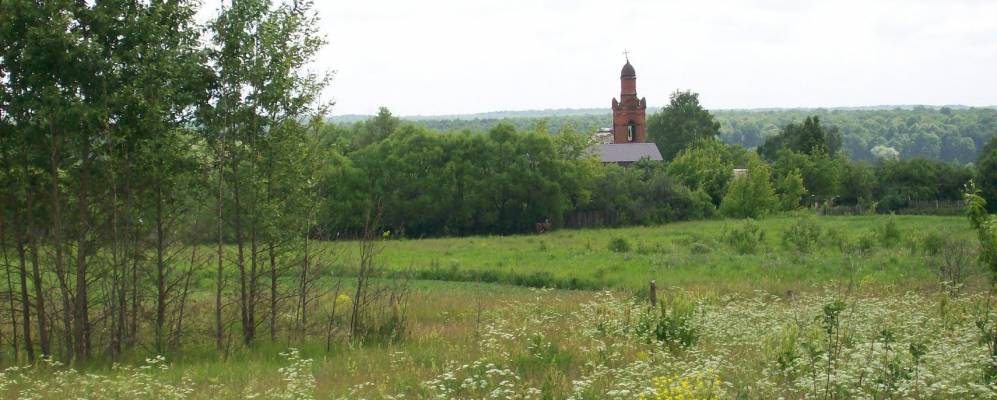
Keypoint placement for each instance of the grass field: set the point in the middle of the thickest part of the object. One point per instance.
(855, 311)
(690, 255)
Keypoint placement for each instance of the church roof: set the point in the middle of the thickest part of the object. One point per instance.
(628, 71)
(628, 152)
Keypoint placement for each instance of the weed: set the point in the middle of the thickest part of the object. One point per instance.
(746, 238)
(888, 232)
(803, 235)
(619, 245)
(699, 248)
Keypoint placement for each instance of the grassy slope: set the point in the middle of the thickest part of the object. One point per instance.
(446, 317)
(582, 259)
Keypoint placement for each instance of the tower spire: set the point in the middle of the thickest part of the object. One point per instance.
(629, 111)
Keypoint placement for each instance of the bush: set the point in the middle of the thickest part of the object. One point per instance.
(750, 196)
(619, 245)
(932, 242)
(671, 323)
(746, 238)
(951, 258)
(699, 248)
(803, 235)
(888, 232)
(866, 242)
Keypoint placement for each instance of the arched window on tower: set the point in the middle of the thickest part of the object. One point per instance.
(631, 131)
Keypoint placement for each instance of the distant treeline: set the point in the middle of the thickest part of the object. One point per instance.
(951, 134)
(431, 182)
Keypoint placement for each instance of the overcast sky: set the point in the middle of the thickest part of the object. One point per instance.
(460, 56)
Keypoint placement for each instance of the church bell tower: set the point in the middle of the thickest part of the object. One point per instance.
(629, 111)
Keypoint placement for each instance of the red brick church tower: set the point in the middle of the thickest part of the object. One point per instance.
(628, 113)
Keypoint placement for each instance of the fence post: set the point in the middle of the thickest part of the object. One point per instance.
(653, 294)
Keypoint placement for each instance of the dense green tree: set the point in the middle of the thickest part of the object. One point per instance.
(810, 138)
(858, 183)
(375, 129)
(986, 173)
(106, 160)
(645, 194)
(790, 190)
(750, 195)
(707, 165)
(962, 133)
(263, 97)
(682, 122)
(821, 173)
(918, 179)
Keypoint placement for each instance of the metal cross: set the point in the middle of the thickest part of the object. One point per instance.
(626, 54)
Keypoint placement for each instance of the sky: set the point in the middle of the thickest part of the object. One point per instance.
(437, 57)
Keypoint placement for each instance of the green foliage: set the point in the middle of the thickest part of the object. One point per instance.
(670, 322)
(809, 138)
(375, 129)
(645, 194)
(681, 123)
(820, 173)
(858, 183)
(619, 245)
(750, 196)
(986, 174)
(888, 233)
(747, 238)
(918, 179)
(897, 132)
(700, 248)
(790, 190)
(986, 228)
(432, 184)
(707, 165)
(803, 235)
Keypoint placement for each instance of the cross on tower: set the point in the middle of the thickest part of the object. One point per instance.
(626, 54)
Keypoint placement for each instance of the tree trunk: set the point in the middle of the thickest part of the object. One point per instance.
(57, 246)
(81, 323)
(160, 273)
(241, 258)
(303, 290)
(36, 279)
(273, 290)
(219, 329)
(10, 289)
(183, 296)
(253, 279)
(25, 302)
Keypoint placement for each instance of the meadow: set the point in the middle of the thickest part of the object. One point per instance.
(795, 306)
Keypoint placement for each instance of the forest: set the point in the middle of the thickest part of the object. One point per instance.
(951, 134)
(467, 182)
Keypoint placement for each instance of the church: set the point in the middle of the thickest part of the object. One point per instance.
(626, 142)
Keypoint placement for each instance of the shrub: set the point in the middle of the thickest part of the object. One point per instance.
(888, 232)
(751, 195)
(619, 245)
(803, 235)
(746, 238)
(866, 242)
(951, 258)
(930, 243)
(836, 237)
(699, 248)
(671, 323)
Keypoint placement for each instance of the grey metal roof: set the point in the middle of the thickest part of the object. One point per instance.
(628, 152)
